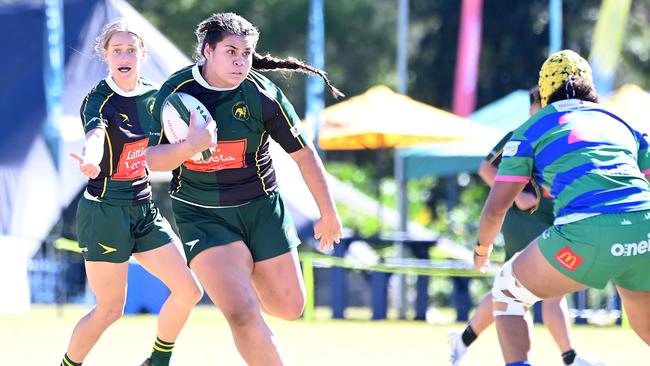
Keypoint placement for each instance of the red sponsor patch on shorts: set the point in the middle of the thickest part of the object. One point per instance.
(228, 155)
(568, 259)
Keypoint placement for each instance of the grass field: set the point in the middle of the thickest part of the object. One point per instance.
(40, 339)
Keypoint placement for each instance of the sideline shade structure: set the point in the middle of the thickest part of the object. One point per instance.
(506, 113)
(443, 159)
(381, 119)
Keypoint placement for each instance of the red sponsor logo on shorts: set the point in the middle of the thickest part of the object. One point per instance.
(132, 161)
(568, 259)
(228, 155)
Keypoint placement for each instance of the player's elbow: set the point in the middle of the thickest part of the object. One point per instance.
(487, 172)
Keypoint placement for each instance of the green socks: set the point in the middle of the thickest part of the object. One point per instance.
(68, 362)
(162, 353)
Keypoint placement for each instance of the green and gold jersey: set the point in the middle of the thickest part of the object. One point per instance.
(125, 117)
(240, 169)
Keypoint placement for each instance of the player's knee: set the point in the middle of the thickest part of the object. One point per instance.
(241, 315)
(190, 294)
(196, 294)
(509, 296)
(291, 310)
(109, 312)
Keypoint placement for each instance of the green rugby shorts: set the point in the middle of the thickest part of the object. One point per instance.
(111, 233)
(600, 248)
(263, 224)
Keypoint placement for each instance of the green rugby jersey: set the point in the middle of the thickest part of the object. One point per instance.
(126, 118)
(241, 168)
(590, 160)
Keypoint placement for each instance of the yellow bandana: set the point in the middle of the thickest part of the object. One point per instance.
(558, 68)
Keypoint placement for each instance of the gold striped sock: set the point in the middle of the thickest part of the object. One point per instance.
(162, 346)
(68, 362)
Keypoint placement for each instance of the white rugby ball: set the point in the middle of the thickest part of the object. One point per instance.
(175, 119)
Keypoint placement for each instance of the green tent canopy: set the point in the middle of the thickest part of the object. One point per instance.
(450, 158)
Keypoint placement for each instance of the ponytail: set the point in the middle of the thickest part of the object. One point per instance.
(270, 63)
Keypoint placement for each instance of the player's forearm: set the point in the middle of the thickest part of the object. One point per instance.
(313, 173)
(498, 202)
(489, 226)
(487, 172)
(166, 157)
(94, 146)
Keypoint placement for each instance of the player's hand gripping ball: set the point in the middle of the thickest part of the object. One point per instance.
(175, 119)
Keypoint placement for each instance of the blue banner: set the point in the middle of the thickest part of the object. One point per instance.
(53, 66)
(316, 57)
(555, 26)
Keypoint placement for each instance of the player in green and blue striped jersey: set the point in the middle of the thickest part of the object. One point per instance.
(529, 216)
(596, 167)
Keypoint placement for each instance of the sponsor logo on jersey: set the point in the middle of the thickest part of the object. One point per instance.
(228, 155)
(630, 249)
(240, 111)
(510, 148)
(623, 170)
(568, 259)
(132, 163)
(296, 129)
(107, 249)
(124, 117)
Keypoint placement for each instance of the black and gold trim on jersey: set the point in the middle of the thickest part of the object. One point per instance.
(241, 168)
(126, 121)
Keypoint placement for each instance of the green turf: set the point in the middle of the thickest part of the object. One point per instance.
(40, 339)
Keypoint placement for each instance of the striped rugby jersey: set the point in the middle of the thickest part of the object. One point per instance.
(241, 168)
(590, 160)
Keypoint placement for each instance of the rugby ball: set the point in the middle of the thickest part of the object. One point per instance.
(175, 119)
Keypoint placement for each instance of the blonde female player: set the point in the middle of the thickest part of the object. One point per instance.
(116, 218)
(239, 238)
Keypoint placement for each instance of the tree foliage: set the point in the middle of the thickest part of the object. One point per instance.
(361, 49)
(361, 41)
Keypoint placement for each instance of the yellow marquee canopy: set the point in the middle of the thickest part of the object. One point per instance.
(381, 118)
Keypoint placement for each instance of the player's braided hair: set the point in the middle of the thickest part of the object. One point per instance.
(215, 28)
(268, 62)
